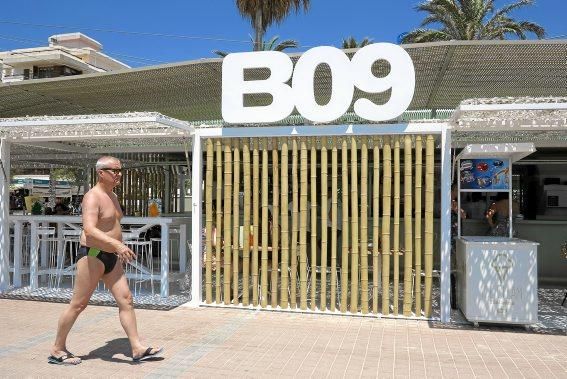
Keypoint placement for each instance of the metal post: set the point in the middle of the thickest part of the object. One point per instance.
(196, 253)
(445, 225)
(17, 278)
(4, 212)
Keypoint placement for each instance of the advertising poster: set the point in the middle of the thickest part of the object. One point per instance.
(484, 174)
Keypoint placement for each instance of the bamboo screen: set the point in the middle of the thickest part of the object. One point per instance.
(323, 224)
(140, 184)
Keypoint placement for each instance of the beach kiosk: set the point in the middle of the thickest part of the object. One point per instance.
(496, 276)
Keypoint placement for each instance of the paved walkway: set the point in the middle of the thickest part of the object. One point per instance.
(215, 342)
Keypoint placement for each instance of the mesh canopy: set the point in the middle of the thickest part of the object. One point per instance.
(446, 74)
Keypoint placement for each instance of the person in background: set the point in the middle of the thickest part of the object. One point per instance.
(498, 213)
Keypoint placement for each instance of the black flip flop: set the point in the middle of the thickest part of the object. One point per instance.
(148, 354)
(63, 360)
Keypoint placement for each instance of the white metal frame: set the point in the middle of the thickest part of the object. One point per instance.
(439, 128)
(50, 131)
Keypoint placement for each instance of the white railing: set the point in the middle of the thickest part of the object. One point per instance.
(135, 225)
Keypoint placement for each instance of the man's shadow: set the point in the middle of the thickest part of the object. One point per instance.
(116, 350)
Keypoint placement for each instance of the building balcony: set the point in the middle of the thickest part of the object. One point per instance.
(14, 78)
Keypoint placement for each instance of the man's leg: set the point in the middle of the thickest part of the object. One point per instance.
(89, 272)
(118, 286)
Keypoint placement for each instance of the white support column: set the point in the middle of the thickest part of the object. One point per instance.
(196, 253)
(445, 225)
(164, 266)
(4, 212)
(17, 281)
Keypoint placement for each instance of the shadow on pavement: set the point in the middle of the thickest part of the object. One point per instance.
(116, 350)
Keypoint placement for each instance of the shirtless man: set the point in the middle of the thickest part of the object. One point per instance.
(101, 256)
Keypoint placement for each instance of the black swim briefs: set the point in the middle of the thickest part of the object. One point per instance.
(107, 259)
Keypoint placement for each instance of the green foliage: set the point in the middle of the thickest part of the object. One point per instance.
(264, 13)
(37, 208)
(271, 45)
(352, 43)
(471, 20)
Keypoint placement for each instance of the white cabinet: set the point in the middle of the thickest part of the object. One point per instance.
(497, 279)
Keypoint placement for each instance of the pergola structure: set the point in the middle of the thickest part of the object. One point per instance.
(77, 141)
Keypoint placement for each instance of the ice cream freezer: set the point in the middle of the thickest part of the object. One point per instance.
(497, 279)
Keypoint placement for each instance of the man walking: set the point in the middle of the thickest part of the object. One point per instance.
(101, 256)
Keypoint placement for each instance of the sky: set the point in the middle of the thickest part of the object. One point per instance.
(144, 32)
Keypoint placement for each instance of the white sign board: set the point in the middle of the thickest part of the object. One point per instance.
(346, 75)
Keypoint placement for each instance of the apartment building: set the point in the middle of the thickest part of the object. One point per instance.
(66, 55)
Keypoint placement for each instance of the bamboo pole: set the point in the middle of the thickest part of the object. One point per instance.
(334, 221)
(396, 245)
(324, 218)
(408, 258)
(375, 227)
(285, 227)
(236, 221)
(209, 223)
(246, 222)
(354, 226)
(265, 226)
(275, 221)
(344, 260)
(428, 253)
(303, 228)
(313, 221)
(386, 213)
(364, 224)
(255, 220)
(418, 215)
(219, 226)
(227, 220)
(294, 224)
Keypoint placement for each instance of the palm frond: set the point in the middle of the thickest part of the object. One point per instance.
(470, 19)
(220, 53)
(426, 35)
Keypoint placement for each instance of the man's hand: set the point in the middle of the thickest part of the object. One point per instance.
(125, 254)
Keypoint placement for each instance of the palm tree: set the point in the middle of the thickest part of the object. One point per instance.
(471, 20)
(263, 13)
(271, 45)
(351, 43)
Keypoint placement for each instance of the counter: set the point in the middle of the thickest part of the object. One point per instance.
(497, 279)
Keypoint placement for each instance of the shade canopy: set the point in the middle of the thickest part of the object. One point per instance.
(78, 140)
(446, 74)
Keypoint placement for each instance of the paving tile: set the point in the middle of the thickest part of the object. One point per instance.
(220, 342)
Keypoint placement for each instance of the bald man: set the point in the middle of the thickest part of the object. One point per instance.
(101, 257)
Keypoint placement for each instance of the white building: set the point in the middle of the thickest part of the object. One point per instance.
(67, 54)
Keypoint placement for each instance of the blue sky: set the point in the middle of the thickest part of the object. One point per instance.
(216, 24)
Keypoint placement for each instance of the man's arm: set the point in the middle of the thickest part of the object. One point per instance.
(96, 237)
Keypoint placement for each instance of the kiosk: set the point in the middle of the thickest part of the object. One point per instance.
(496, 276)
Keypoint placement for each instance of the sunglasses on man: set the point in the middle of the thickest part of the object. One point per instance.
(115, 171)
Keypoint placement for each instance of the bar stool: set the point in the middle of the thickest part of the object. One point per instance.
(71, 243)
(141, 269)
(47, 248)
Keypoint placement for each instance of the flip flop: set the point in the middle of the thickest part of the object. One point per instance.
(64, 360)
(148, 354)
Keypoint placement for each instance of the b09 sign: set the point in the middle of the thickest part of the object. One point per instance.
(346, 75)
